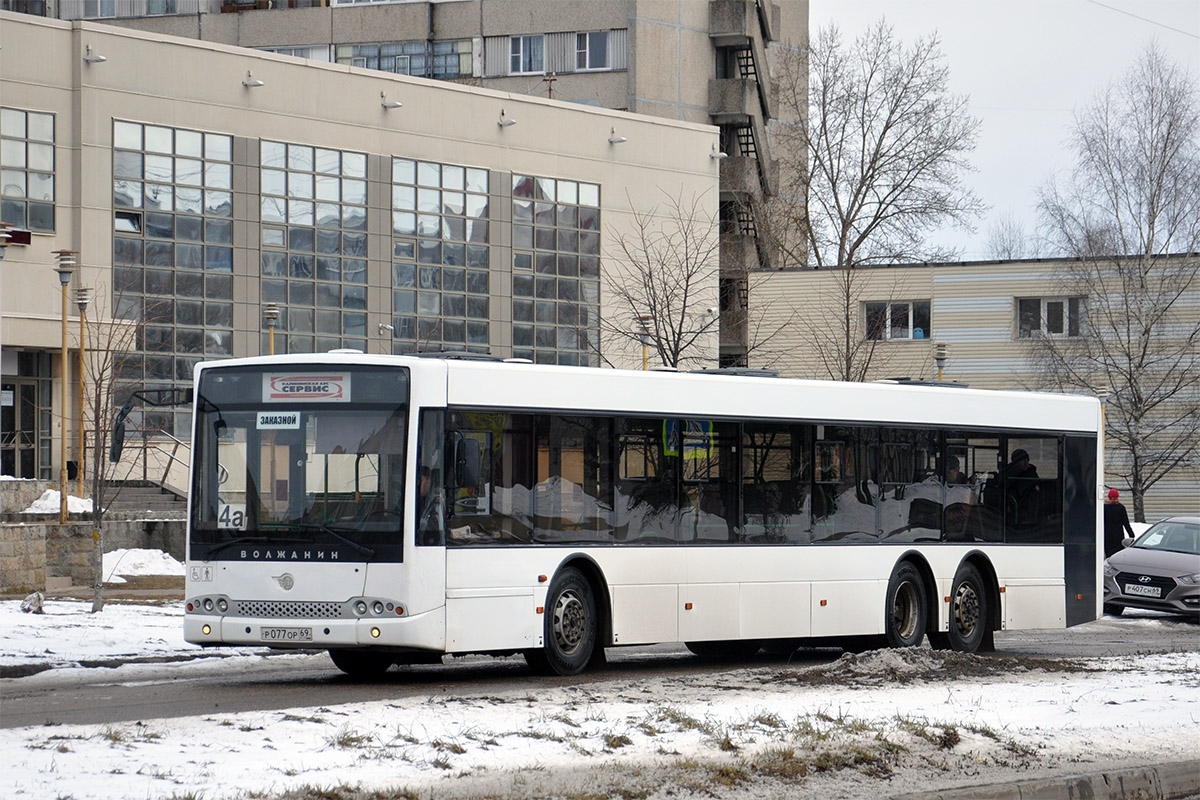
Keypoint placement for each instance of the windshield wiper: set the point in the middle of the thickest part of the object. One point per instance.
(219, 546)
(363, 550)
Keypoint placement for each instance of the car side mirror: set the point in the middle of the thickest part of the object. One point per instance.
(1126, 542)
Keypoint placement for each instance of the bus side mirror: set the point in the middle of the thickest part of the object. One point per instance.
(467, 462)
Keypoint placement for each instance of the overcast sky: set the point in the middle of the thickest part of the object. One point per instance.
(1026, 65)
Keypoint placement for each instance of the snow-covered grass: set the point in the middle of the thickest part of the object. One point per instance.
(870, 725)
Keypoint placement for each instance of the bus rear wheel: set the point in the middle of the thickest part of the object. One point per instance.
(361, 663)
(970, 613)
(907, 611)
(569, 630)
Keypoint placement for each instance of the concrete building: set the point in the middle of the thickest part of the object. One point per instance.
(986, 314)
(194, 183)
(702, 61)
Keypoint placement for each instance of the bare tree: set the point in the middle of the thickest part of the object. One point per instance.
(663, 288)
(663, 285)
(1127, 219)
(109, 340)
(881, 148)
(1007, 239)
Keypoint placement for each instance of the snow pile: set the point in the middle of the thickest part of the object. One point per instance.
(121, 564)
(51, 500)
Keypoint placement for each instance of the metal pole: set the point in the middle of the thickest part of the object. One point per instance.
(62, 399)
(82, 298)
(65, 268)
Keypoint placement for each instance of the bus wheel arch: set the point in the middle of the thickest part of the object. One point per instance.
(573, 621)
(908, 608)
(974, 607)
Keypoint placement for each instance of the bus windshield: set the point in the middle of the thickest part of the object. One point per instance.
(288, 468)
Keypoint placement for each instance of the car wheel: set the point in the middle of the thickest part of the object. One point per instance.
(968, 624)
(907, 611)
(569, 632)
(361, 663)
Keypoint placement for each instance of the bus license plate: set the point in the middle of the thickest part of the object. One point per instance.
(1144, 591)
(287, 634)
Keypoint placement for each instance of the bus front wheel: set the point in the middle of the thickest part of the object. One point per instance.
(907, 607)
(969, 613)
(569, 630)
(361, 663)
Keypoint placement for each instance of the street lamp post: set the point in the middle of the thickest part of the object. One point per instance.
(65, 269)
(82, 298)
(643, 321)
(271, 315)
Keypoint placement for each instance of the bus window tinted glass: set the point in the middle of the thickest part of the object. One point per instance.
(647, 500)
(842, 504)
(1033, 491)
(908, 487)
(775, 483)
(572, 500)
(710, 482)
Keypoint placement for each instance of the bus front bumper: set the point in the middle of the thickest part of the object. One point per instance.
(425, 631)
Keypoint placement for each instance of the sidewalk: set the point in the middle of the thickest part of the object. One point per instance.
(1175, 781)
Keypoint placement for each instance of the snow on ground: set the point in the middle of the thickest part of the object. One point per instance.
(51, 500)
(138, 562)
(868, 725)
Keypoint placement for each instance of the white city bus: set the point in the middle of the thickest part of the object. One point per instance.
(395, 509)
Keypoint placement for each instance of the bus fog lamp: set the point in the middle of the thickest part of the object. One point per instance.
(374, 633)
(207, 629)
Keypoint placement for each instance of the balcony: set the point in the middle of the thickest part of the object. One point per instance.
(117, 9)
(738, 22)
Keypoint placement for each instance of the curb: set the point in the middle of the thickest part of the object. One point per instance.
(1173, 781)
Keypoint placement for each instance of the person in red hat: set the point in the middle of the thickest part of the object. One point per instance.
(1116, 524)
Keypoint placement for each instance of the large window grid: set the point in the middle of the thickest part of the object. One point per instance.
(440, 281)
(314, 245)
(556, 271)
(172, 254)
(27, 174)
(447, 59)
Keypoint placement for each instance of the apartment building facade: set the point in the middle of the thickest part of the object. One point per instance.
(702, 61)
(973, 323)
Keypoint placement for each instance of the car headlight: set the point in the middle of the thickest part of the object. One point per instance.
(1110, 570)
(1193, 579)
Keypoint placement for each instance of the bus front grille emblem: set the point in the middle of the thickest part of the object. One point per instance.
(285, 581)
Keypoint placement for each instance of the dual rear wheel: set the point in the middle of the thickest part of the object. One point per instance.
(908, 604)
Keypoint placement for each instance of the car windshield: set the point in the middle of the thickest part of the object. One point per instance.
(1176, 537)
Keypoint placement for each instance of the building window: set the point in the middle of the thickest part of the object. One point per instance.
(27, 169)
(1055, 316)
(556, 271)
(448, 59)
(904, 320)
(591, 50)
(311, 53)
(441, 289)
(172, 255)
(314, 245)
(525, 54)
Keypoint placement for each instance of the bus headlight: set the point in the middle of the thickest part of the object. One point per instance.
(377, 608)
(208, 604)
(360, 608)
(222, 605)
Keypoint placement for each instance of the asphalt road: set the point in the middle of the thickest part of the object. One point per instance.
(102, 696)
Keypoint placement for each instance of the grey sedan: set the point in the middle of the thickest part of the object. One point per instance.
(1160, 570)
